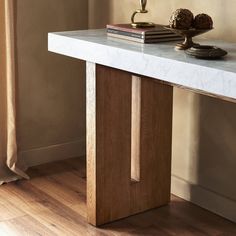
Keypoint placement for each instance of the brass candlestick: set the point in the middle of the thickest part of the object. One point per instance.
(143, 10)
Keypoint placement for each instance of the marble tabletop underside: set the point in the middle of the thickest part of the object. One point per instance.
(159, 61)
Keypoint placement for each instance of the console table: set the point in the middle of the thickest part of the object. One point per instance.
(129, 115)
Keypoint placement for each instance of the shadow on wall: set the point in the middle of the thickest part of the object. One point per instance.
(217, 152)
(99, 13)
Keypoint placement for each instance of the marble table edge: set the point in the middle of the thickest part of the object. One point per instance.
(210, 80)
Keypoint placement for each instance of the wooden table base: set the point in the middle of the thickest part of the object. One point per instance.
(129, 133)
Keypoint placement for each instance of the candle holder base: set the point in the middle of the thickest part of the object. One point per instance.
(142, 25)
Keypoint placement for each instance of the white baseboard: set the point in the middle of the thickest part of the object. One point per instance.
(204, 198)
(52, 153)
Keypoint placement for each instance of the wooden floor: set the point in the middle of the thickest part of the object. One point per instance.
(53, 202)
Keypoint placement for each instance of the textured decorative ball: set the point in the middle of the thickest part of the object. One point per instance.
(181, 19)
(203, 21)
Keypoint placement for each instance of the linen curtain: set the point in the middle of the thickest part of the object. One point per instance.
(9, 168)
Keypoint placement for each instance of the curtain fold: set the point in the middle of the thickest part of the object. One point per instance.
(9, 167)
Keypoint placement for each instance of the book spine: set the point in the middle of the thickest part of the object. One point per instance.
(126, 38)
(150, 37)
(163, 40)
(122, 29)
(163, 36)
(129, 34)
(144, 40)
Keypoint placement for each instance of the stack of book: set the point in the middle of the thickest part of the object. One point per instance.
(142, 35)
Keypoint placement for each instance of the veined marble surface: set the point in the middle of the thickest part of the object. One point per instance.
(159, 61)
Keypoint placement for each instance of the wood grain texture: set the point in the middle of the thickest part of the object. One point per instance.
(111, 170)
(91, 140)
(52, 217)
(135, 128)
(111, 135)
(156, 142)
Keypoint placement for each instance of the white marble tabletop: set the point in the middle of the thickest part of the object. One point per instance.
(159, 61)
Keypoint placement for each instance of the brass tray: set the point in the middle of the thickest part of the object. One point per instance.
(206, 52)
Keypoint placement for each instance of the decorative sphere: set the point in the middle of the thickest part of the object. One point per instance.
(181, 19)
(203, 21)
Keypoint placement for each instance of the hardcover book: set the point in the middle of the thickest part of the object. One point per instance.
(142, 35)
(143, 31)
(141, 40)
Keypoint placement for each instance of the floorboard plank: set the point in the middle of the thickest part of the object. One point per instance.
(53, 202)
(9, 212)
(24, 226)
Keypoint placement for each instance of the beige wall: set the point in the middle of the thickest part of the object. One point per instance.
(223, 13)
(51, 95)
(204, 134)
